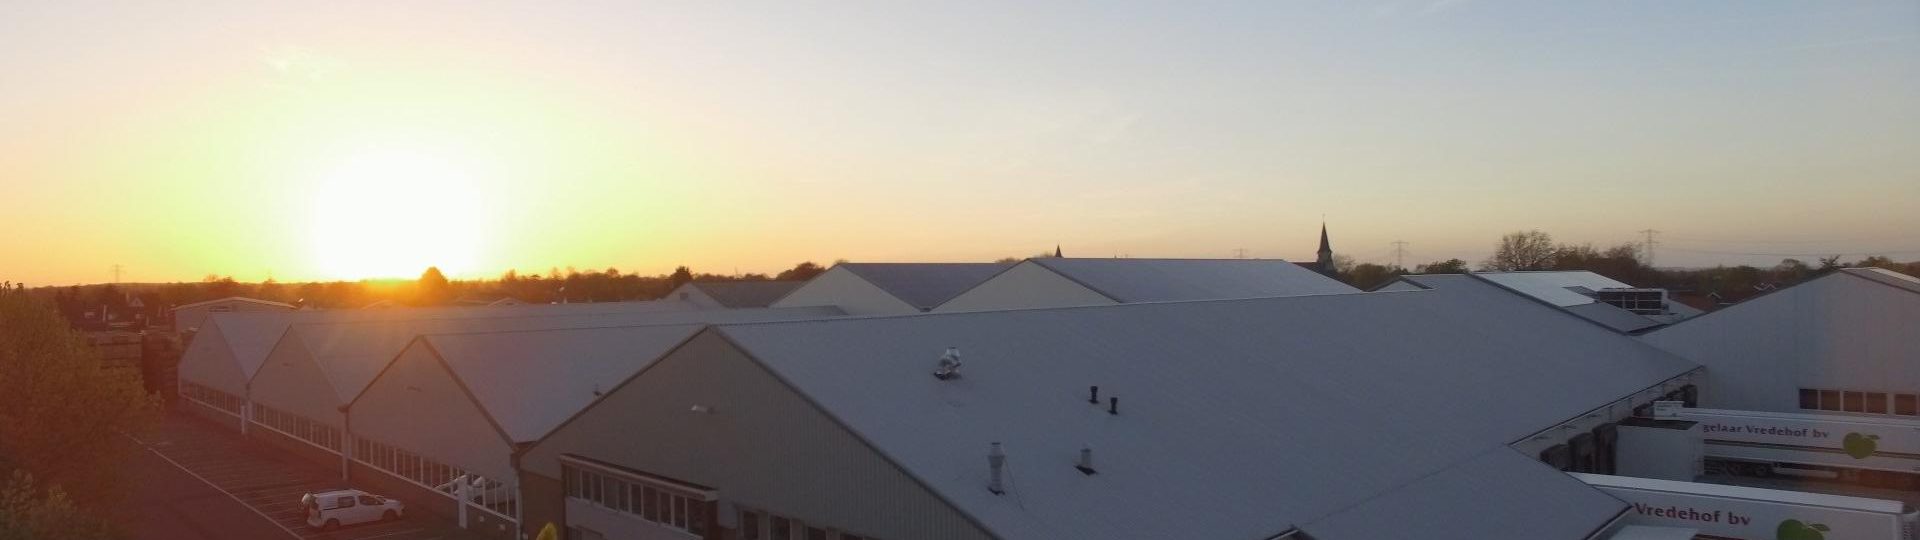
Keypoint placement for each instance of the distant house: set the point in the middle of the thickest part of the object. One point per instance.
(1596, 298)
(192, 316)
(1846, 342)
(1061, 282)
(889, 288)
(733, 294)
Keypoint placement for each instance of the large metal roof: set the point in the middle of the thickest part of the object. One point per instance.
(352, 353)
(530, 382)
(924, 285)
(1162, 280)
(1554, 286)
(1237, 419)
(746, 294)
(245, 338)
(1537, 502)
(1887, 277)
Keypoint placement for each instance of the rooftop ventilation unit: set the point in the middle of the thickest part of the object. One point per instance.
(996, 462)
(949, 366)
(1086, 461)
(1640, 301)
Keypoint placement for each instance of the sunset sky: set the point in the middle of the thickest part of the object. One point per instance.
(341, 140)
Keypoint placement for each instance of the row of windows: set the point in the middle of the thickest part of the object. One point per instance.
(758, 525)
(1859, 402)
(211, 397)
(297, 426)
(665, 507)
(488, 493)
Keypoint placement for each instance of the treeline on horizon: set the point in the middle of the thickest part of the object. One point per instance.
(1519, 251)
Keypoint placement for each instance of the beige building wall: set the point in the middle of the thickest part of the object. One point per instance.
(762, 446)
(419, 406)
(1026, 285)
(853, 294)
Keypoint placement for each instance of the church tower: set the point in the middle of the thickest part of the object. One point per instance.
(1325, 260)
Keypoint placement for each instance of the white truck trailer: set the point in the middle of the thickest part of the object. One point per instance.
(1744, 513)
(1870, 450)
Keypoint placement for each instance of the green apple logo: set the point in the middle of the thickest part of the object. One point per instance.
(1793, 529)
(1860, 446)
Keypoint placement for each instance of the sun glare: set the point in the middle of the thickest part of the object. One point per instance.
(392, 213)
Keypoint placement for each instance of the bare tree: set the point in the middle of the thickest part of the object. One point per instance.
(1522, 250)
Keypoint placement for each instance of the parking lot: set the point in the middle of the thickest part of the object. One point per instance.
(197, 481)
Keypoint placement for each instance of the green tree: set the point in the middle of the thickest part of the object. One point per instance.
(800, 272)
(680, 276)
(1522, 250)
(1449, 266)
(1366, 276)
(432, 289)
(64, 419)
(27, 513)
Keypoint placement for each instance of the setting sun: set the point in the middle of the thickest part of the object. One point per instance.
(390, 212)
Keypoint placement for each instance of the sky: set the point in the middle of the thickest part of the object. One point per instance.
(345, 140)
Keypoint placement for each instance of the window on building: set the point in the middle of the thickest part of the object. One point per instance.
(1830, 400)
(1877, 402)
(1906, 404)
(1809, 398)
(750, 525)
(779, 528)
(1853, 402)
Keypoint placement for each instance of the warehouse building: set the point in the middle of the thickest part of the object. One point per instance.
(1588, 295)
(299, 394)
(733, 294)
(465, 404)
(190, 317)
(1061, 282)
(1847, 342)
(889, 288)
(224, 355)
(1330, 417)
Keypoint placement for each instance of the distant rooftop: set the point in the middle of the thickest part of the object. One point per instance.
(924, 285)
(1164, 280)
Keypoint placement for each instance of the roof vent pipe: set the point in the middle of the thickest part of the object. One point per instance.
(1086, 460)
(1113, 405)
(949, 366)
(996, 462)
(1093, 395)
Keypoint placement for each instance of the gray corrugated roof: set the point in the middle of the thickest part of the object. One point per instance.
(1886, 276)
(352, 353)
(1238, 419)
(250, 335)
(1600, 313)
(1551, 287)
(1538, 502)
(236, 299)
(530, 382)
(1162, 280)
(747, 294)
(925, 285)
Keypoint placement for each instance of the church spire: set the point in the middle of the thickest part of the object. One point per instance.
(1056, 251)
(1325, 260)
